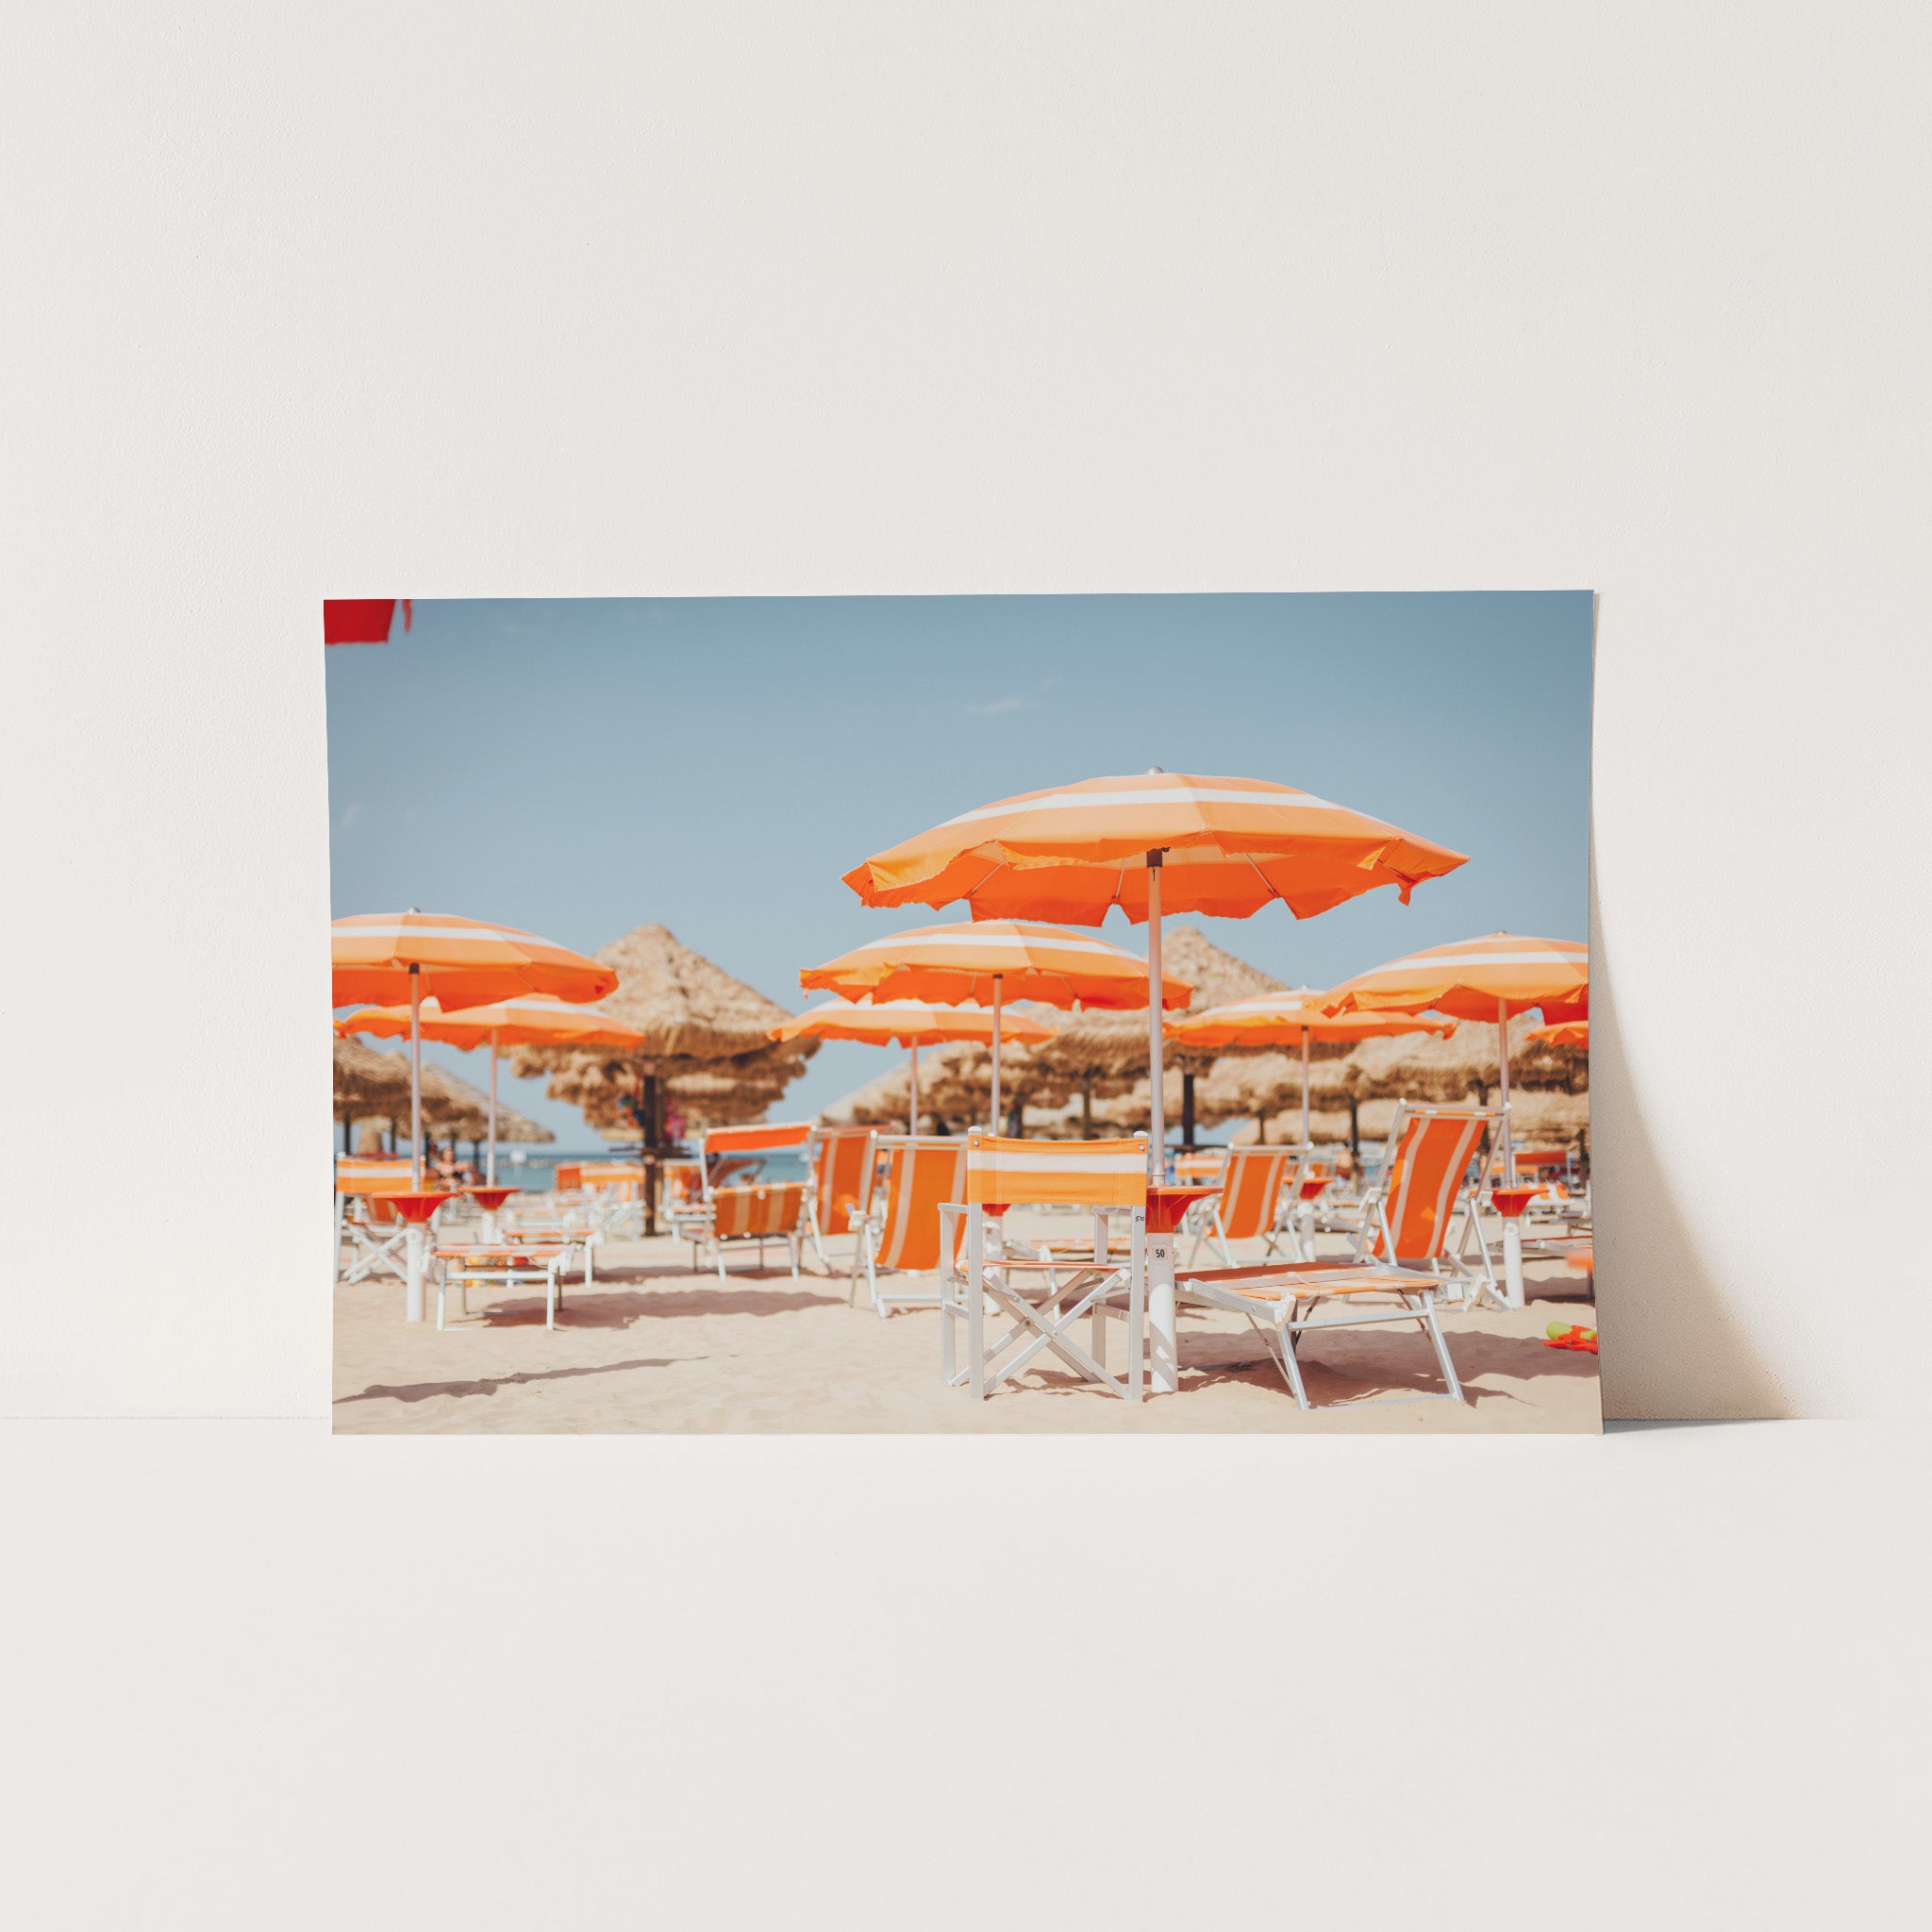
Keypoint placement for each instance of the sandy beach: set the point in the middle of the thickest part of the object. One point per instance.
(652, 1347)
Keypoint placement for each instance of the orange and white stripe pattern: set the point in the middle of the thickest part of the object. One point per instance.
(744, 1213)
(842, 1172)
(1074, 852)
(1466, 979)
(907, 1022)
(1250, 1189)
(1425, 1174)
(956, 963)
(537, 1019)
(464, 962)
(1285, 1018)
(921, 1177)
(1081, 1174)
(364, 1176)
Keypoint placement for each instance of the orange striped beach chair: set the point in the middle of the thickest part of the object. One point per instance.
(842, 1171)
(375, 1237)
(914, 1177)
(1402, 1249)
(739, 1204)
(1043, 1296)
(1247, 1209)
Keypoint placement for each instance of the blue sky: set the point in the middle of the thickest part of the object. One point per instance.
(577, 767)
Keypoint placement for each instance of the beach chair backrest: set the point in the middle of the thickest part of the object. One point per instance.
(842, 1176)
(1250, 1189)
(921, 1176)
(1200, 1167)
(366, 1176)
(621, 1179)
(738, 1214)
(684, 1183)
(1079, 1173)
(1422, 1172)
(737, 1156)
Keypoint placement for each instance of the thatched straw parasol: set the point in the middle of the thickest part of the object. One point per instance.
(697, 1018)
(1464, 1064)
(369, 1085)
(1104, 1054)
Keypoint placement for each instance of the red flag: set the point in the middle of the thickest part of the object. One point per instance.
(362, 619)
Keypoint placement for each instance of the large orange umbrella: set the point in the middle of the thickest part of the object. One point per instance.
(1490, 978)
(1158, 841)
(1282, 1019)
(909, 1023)
(538, 1019)
(385, 956)
(990, 962)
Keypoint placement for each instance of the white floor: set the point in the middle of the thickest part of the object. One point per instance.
(1673, 1678)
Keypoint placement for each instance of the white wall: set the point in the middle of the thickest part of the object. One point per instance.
(853, 298)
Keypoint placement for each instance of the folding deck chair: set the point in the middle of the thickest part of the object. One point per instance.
(913, 1178)
(377, 1237)
(842, 1169)
(1045, 1297)
(1401, 1246)
(738, 1203)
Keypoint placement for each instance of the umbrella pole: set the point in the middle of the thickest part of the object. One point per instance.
(413, 1235)
(1157, 1124)
(490, 1170)
(1305, 1086)
(996, 979)
(912, 1110)
(416, 1083)
(1163, 1368)
(1502, 1060)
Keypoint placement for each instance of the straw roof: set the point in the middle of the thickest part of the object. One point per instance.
(370, 1085)
(697, 1021)
(708, 1092)
(685, 1007)
(1545, 1116)
(1114, 1046)
(1464, 1062)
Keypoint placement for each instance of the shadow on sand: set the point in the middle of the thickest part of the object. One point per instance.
(488, 1385)
(598, 1308)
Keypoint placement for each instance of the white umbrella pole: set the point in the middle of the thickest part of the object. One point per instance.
(1502, 1061)
(1163, 1368)
(1305, 1086)
(415, 1235)
(996, 979)
(491, 1170)
(913, 1112)
(1157, 1124)
(416, 1081)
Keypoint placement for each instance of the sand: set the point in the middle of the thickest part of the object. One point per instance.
(652, 1347)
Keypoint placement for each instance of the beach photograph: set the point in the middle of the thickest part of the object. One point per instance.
(961, 1014)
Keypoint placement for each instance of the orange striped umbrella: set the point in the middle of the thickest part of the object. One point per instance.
(1490, 978)
(907, 1023)
(538, 1019)
(1285, 1018)
(461, 962)
(1565, 1032)
(1153, 842)
(1227, 846)
(1157, 842)
(993, 960)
